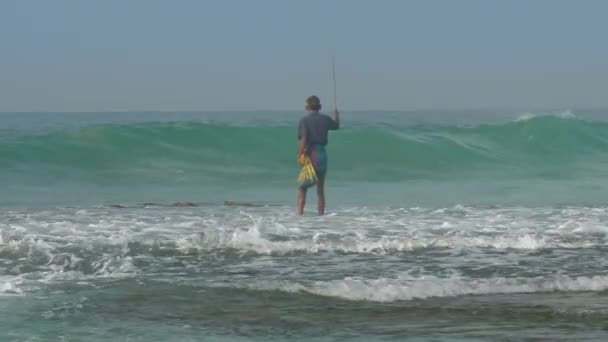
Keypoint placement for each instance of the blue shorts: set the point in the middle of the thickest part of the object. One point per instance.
(318, 157)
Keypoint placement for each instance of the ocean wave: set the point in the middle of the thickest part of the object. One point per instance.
(105, 241)
(108, 256)
(197, 153)
(565, 114)
(391, 290)
(215, 243)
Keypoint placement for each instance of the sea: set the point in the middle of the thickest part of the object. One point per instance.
(441, 225)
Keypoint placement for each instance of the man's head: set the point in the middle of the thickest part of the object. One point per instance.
(313, 104)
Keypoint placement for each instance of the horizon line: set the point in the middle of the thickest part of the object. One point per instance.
(410, 110)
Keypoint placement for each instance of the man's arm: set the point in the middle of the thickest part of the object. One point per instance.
(302, 136)
(336, 121)
(302, 148)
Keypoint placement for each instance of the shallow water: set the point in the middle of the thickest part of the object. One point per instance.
(181, 273)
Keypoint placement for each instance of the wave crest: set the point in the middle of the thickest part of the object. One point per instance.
(391, 290)
(195, 153)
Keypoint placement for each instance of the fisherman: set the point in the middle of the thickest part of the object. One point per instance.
(312, 133)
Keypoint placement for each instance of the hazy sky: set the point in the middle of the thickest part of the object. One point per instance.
(261, 54)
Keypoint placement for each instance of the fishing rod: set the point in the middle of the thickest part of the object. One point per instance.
(333, 73)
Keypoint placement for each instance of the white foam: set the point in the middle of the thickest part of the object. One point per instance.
(107, 245)
(380, 233)
(252, 240)
(10, 285)
(390, 290)
(115, 266)
(565, 114)
(525, 117)
(525, 242)
(2, 238)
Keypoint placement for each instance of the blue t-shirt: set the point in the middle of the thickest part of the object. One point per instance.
(315, 126)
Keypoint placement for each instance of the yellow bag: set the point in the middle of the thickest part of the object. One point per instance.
(308, 175)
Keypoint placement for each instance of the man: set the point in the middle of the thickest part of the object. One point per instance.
(312, 133)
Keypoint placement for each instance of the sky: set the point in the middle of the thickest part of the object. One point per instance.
(209, 55)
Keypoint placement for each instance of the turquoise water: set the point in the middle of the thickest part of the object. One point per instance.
(456, 226)
(377, 158)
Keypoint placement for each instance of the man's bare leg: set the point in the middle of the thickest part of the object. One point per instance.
(321, 194)
(301, 200)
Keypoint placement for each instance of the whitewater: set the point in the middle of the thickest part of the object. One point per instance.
(459, 226)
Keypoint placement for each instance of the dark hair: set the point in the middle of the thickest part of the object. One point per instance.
(313, 103)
